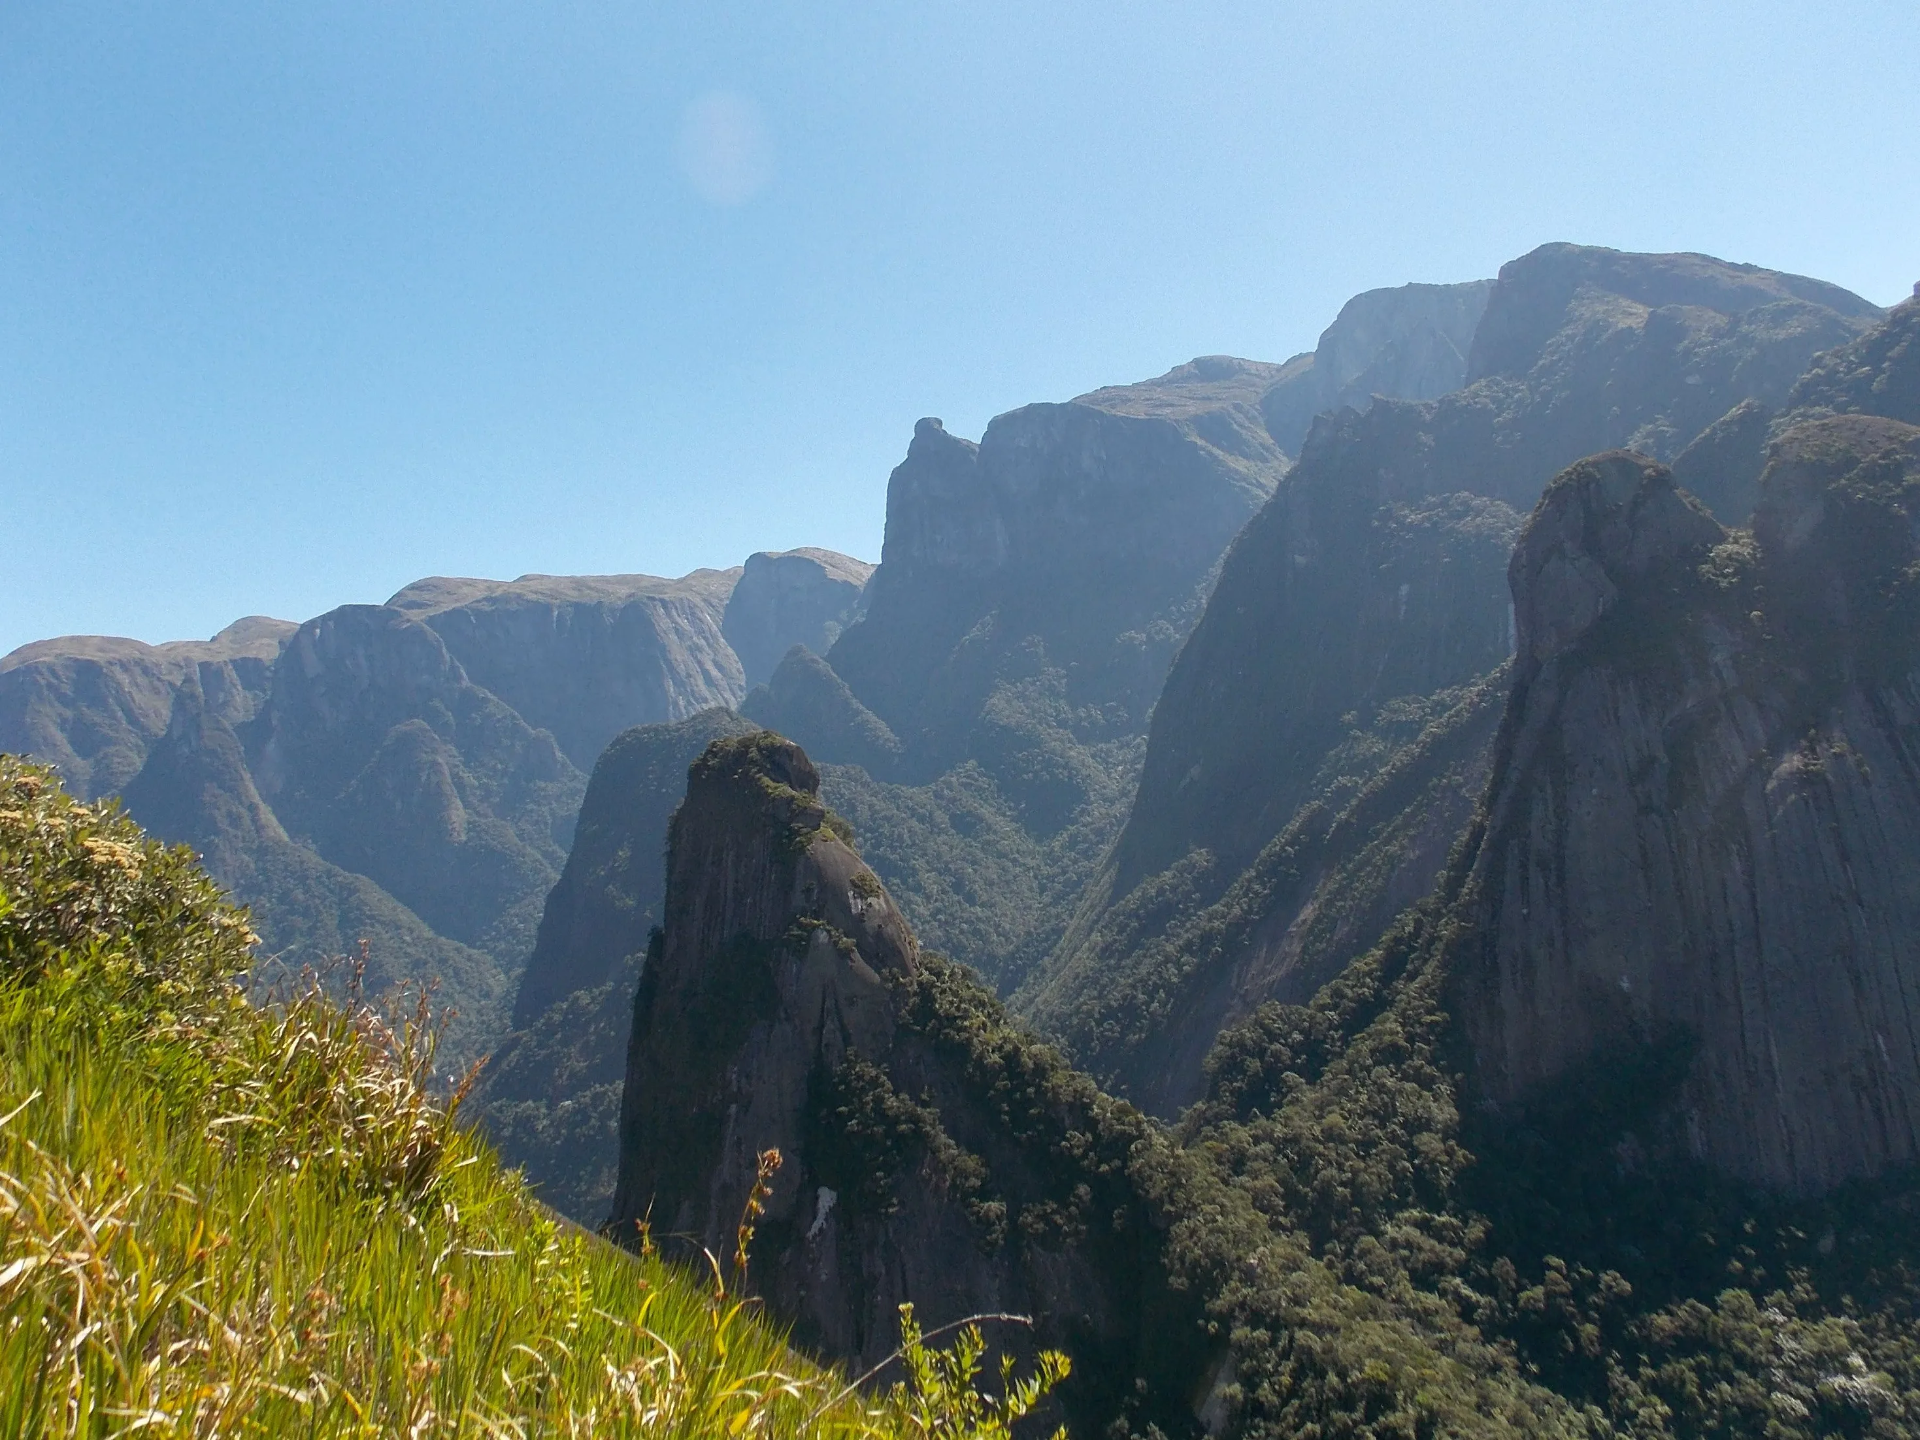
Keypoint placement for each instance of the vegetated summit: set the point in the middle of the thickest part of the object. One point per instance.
(1459, 780)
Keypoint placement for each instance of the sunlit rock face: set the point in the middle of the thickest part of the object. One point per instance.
(587, 656)
(91, 705)
(787, 598)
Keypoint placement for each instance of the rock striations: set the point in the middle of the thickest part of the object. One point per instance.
(1410, 343)
(92, 704)
(788, 598)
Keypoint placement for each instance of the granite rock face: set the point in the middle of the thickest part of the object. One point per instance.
(377, 749)
(410, 774)
(786, 598)
(981, 722)
(195, 789)
(1703, 820)
(1564, 368)
(985, 711)
(1068, 528)
(787, 1006)
(1876, 374)
(1407, 343)
(1584, 349)
(594, 927)
(549, 1098)
(1299, 793)
(585, 657)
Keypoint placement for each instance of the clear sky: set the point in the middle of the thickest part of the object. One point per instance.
(300, 301)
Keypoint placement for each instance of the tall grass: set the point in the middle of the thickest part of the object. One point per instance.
(217, 1219)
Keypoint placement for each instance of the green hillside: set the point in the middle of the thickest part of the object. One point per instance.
(217, 1219)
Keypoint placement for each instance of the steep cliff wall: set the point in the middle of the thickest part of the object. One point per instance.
(595, 924)
(786, 598)
(92, 704)
(587, 656)
(404, 778)
(1056, 544)
(1877, 373)
(378, 750)
(1372, 584)
(194, 789)
(1409, 343)
(1704, 823)
(931, 1153)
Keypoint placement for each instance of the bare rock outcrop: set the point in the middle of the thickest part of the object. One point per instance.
(377, 749)
(1372, 586)
(786, 598)
(1705, 813)
(1409, 342)
(587, 656)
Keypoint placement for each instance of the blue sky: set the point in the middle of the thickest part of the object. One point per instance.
(299, 302)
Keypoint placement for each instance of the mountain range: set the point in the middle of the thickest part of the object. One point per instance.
(408, 774)
(1372, 895)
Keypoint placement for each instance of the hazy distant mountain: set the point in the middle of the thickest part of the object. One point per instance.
(1409, 343)
(1325, 732)
(93, 704)
(979, 720)
(408, 774)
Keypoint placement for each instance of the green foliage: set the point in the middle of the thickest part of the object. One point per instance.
(941, 1398)
(959, 856)
(1137, 979)
(863, 1133)
(219, 1220)
(549, 1099)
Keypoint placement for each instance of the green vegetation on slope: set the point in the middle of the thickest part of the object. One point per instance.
(223, 1220)
(1389, 1266)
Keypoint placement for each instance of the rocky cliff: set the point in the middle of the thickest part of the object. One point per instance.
(584, 657)
(407, 775)
(1703, 825)
(804, 696)
(985, 712)
(787, 598)
(93, 704)
(1055, 545)
(375, 748)
(195, 789)
(982, 721)
(1877, 373)
(1409, 343)
(930, 1153)
(1370, 587)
